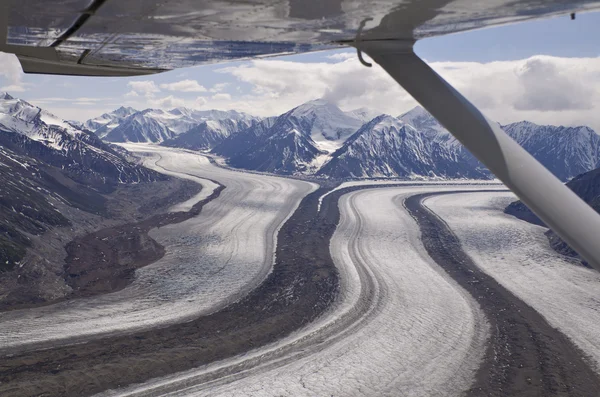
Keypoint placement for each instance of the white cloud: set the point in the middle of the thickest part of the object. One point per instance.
(221, 97)
(13, 88)
(543, 89)
(342, 56)
(184, 86)
(11, 70)
(219, 87)
(546, 86)
(200, 102)
(146, 88)
(168, 102)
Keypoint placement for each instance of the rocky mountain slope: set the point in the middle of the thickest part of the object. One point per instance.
(30, 131)
(565, 151)
(388, 147)
(105, 123)
(318, 138)
(295, 142)
(58, 181)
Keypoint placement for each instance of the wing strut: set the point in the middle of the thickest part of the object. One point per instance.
(561, 209)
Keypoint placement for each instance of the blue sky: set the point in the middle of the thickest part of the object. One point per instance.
(510, 52)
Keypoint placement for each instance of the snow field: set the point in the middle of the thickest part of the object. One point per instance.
(400, 325)
(163, 161)
(517, 255)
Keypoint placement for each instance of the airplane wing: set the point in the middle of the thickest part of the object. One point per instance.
(133, 37)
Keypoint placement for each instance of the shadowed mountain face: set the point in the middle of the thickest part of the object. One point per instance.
(388, 147)
(46, 163)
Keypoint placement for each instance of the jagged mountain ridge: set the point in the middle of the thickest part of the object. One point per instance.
(157, 125)
(105, 123)
(417, 145)
(47, 163)
(565, 151)
(280, 145)
(209, 133)
(30, 131)
(319, 138)
(388, 147)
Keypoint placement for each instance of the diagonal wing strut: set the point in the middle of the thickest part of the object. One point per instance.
(553, 202)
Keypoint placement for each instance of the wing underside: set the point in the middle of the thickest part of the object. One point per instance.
(115, 37)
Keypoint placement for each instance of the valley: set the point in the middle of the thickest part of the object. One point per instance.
(319, 252)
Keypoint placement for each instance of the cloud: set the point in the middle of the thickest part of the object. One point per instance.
(13, 88)
(184, 86)
(146, 88)
(200, 102)
(167, 102)
(342, 56)
(548, 87)
(543, 89)
(221, 97)
(11, 70)
(219, 87)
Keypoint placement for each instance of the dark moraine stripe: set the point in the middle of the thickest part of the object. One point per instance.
(303, 283)
(525, 355)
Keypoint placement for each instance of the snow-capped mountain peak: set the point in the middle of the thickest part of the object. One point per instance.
(364, 114)
(326, 124)
(124, 111)
(24, 118)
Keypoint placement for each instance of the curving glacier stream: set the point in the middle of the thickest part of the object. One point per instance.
(211, 260)
(399, 325)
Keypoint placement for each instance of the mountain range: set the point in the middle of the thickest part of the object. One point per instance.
(180, 127)
(318, 138)
(47, 163)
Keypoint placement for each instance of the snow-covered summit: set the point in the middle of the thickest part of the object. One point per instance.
(21, 117)
(156, 125)
(326, 124)
(364, 114)
(31, 131)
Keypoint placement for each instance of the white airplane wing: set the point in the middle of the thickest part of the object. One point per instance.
(130, 37)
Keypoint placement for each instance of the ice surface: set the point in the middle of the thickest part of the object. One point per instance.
(164, 161)
(517, 254)
(420, 180)
(211, 260)
(400, 326)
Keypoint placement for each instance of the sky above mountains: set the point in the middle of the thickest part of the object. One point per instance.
(545, 71)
